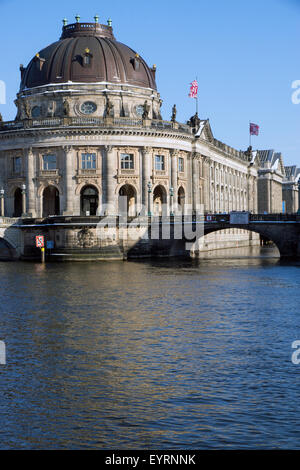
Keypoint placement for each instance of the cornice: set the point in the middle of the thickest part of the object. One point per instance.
(64, 132)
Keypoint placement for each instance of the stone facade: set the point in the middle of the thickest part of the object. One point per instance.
(290, 189)
(120, 156)
(77, 146)
(270, 178)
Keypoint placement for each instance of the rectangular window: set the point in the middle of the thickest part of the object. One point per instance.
(181, 165)
(88, 161)
(159, 162)
(127, 161)
(49, 162)
(17, 165)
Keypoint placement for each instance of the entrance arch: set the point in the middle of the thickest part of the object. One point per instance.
(127, 200)
(159, 200)
(50, 201)
(181, 199)
(89, 200)
(18, 202)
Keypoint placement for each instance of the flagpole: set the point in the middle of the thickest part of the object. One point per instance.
(249, 134)
(197, 97)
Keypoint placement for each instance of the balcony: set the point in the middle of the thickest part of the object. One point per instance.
(98, 122)
(48, 173)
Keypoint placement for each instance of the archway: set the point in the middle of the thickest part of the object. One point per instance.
(159, 200)
(89, 200)
(50, 201)
(234, 241)
(181, 199)
(18, 202)
(127, 200)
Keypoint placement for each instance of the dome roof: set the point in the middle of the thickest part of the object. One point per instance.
(87, 53)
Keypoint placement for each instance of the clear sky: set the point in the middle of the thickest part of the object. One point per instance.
(245, 54)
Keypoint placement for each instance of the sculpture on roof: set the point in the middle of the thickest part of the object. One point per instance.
(146, 110)
(174, 112)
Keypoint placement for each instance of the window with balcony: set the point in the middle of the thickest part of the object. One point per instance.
(88, 161)
(159, 163)
(127, 161)
(49, 162)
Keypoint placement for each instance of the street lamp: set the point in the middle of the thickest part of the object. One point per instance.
(2, 202)
(149, 198)
(171, 201)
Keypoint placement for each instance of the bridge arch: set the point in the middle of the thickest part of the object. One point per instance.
(285, 236)
(232, 238)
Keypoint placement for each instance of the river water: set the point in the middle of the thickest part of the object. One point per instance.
(159, 354)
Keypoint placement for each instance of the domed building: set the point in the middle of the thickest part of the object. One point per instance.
(89, 130)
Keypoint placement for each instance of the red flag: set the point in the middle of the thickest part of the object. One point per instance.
(254, 129)
(194, 89)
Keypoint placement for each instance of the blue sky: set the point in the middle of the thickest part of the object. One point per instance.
(245, 54)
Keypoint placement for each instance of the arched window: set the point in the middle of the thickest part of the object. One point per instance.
(127, 200)
(181, 199)
(50, 201)
(18, 203)
(159, 200)
(89, 199)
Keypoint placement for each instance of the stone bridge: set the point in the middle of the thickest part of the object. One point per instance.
(78, 237)
(281, 229)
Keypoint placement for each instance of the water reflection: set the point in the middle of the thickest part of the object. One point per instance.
(156, 354)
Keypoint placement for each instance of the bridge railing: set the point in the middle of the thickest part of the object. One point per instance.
(9, 221)
(275, 217)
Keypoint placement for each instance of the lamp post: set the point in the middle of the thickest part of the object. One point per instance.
(23, 187)
(171, 201)
(2, 202)
(149, 198)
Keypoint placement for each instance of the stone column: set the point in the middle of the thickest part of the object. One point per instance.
(24, 206)
(111, 170)
(174, 177)
(69, 182)
(216, 207)
(2, 202)
(31, 191)
(206, 186)
(195, 181)
(146, 175)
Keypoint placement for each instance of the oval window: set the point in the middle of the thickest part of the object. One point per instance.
(88, 107)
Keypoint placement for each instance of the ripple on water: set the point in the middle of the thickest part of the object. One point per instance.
(157, 354)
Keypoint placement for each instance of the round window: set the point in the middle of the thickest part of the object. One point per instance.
(36, 112)
(139, 110)
(88, 107)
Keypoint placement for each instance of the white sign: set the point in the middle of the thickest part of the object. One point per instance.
(239, 218)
